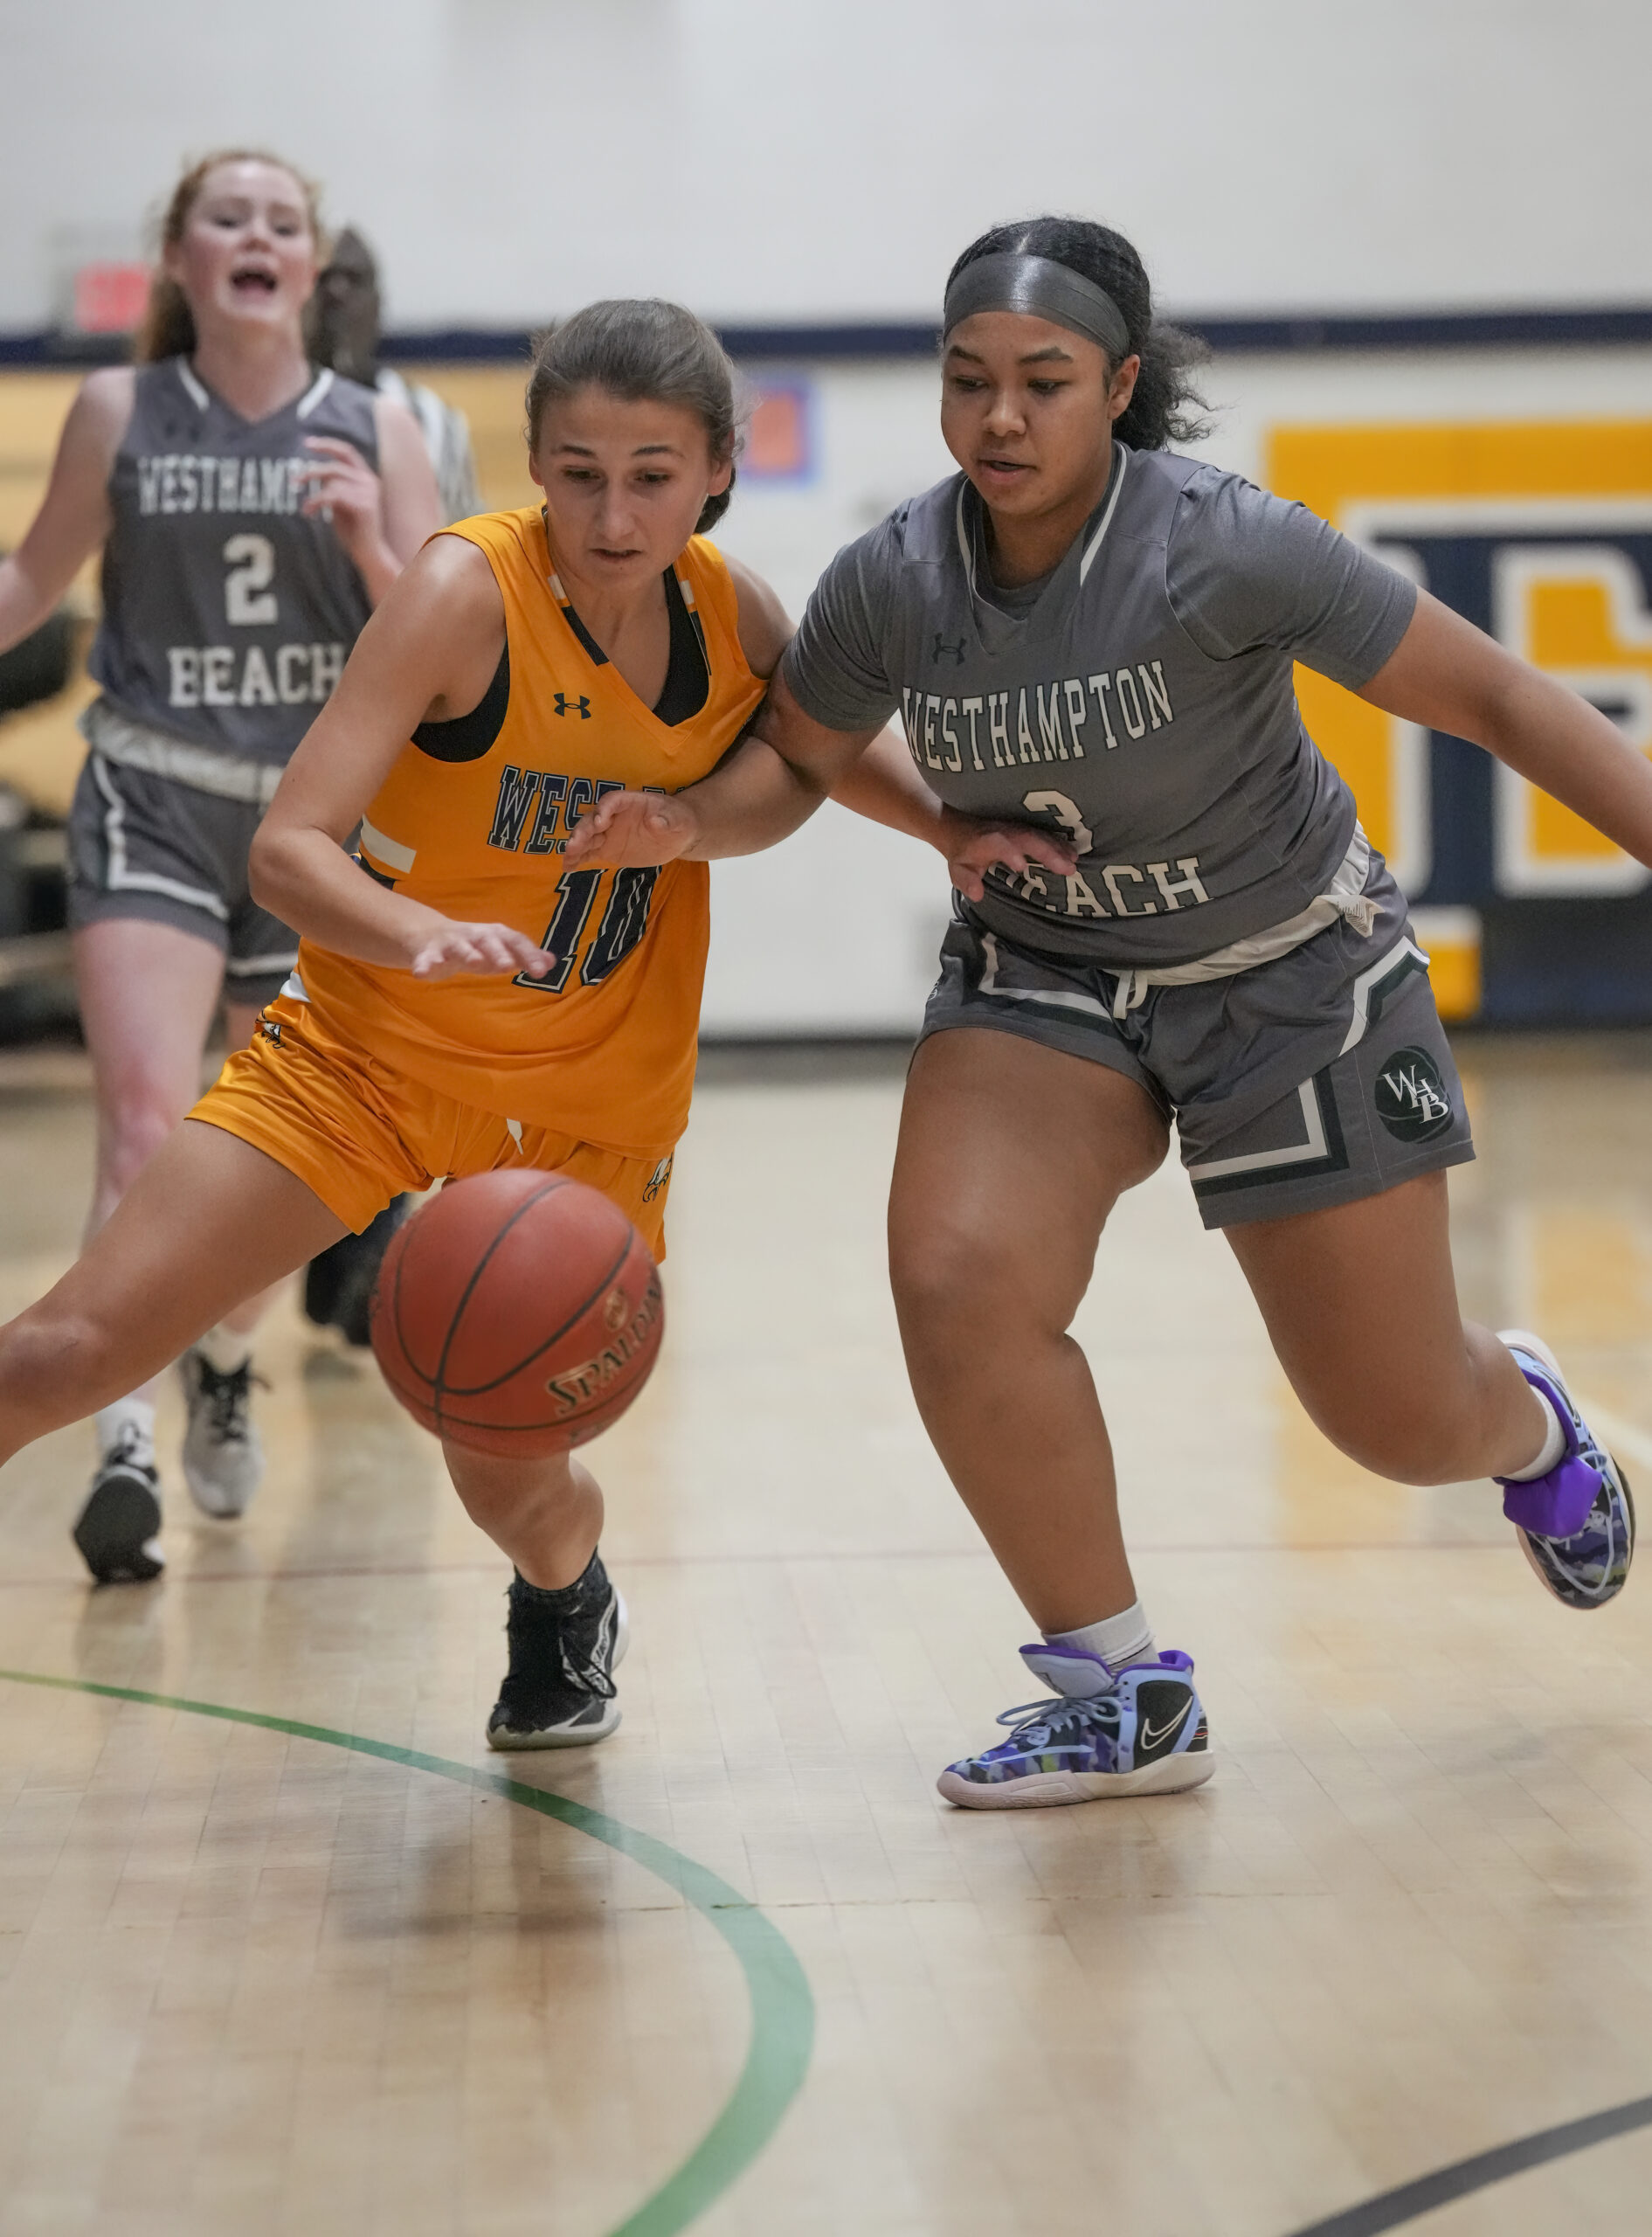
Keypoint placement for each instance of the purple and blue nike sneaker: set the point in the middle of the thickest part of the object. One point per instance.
(1137, 1730)
(1576, 1525)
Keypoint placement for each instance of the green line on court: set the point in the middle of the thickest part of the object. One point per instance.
(782, 2007)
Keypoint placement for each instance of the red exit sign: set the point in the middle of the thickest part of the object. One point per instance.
(109, 298)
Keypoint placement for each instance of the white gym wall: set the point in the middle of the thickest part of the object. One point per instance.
(827, 158)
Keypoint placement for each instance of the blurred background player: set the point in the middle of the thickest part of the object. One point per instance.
(251, 512)
(345, 325)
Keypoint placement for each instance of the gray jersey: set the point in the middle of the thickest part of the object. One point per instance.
(227, 614)
(1140, 700)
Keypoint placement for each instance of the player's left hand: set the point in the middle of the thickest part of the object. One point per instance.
(634, 831)
(972, 848)
(345, 490)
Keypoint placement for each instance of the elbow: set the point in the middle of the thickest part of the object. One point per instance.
(264, 878)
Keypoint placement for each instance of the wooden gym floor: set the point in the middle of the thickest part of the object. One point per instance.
(740, 1961)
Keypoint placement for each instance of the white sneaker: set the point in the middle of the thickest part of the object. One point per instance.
(223, 1455)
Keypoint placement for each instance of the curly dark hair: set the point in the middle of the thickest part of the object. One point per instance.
(642, 350)
(1166, 406)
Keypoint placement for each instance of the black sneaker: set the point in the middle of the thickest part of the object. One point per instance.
(338, 1286)
(118, 1529)
(559, 1689)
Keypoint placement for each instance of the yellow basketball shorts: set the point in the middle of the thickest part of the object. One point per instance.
(359, 1133)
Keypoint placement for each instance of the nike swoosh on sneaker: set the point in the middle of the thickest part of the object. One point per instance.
(1151, 1737)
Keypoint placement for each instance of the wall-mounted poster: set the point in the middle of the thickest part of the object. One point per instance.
(1541, 533)
(780, 445)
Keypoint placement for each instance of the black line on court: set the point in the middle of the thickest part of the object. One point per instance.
(1411, 2201)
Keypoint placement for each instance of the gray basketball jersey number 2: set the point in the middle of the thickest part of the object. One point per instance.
(228, 614)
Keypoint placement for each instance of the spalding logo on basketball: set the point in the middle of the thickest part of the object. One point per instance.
(517, 1312)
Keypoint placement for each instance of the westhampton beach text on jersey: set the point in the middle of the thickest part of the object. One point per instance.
(1062, 709)
(187, 482)
(1139, 696)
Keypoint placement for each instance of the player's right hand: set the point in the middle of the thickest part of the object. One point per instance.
(633, 831)
(450, 951)
(973, 846)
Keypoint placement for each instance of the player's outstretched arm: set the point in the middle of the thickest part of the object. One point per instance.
(775, 779)
(74, 518)
(428, 654)
(1448, 676)
(764, 788)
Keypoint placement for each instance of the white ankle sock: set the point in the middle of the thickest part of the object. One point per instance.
(1127, 1637)
(223, 1350)
(127, 1425)
(1554, 1445)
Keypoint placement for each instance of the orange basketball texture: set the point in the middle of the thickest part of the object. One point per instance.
(517, 1312)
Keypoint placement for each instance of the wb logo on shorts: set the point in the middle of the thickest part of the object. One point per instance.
(1411, 1097)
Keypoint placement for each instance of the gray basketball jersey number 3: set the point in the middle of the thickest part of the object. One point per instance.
(228, 612)
(1228, 939)
(1138, 699)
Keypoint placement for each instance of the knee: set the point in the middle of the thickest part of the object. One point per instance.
(958, 1289)
(52, 1367)
(933, 1269)
(1420, 1444)
(136, 1118)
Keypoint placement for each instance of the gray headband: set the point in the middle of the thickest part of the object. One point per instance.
(1041, 288)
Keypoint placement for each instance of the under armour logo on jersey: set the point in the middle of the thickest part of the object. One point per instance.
(581, 706)
(954, 653)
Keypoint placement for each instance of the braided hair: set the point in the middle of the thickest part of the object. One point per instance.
(1166, 406)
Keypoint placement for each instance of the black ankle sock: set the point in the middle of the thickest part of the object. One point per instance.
(589, 1589)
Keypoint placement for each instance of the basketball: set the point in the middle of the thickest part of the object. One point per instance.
(517, 1312)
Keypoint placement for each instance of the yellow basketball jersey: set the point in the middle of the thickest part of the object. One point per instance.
(602, 1048)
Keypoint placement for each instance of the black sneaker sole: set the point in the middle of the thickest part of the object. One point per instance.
(118, 1521)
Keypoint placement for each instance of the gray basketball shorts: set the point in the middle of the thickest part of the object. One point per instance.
(1312, 1080)
(141, 845)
